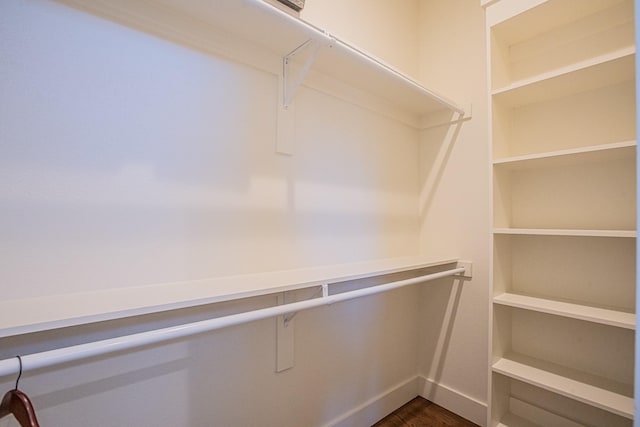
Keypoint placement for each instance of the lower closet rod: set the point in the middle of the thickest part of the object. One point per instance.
(91, 349)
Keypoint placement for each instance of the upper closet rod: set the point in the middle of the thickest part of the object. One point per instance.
(83, 351)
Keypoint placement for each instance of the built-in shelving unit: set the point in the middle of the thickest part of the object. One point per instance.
(562, 108)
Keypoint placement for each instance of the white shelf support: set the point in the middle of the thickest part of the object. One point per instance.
(323, 292)
(288, 84)
(291, 83)
(285, 327)
(468, 269)
(285, 341)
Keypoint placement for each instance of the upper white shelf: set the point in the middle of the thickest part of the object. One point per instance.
(603, 316)
(566, 232)
(271, 29)
(604, 70)
(57, 311)
(520, 20)
(561, 158)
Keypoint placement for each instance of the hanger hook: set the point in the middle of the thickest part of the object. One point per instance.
(19, 372)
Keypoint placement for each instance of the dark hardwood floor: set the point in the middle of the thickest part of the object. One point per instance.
(421, 413)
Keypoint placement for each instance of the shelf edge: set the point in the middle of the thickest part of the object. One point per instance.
(566, 71)
(565, 232)
(603, 316)
(567, 152)
(573, 389)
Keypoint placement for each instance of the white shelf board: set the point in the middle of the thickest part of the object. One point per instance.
(595, 391)
(28, 315)
(605, 70)
(604, 316)
(521, 413)
(510, 420)
(487, 3)
(561, 158)
(566, 232)
(525, 19)
(269, 28)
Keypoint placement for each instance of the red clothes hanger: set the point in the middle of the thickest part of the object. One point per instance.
(17, 403)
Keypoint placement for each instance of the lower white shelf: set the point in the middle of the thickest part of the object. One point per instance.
(523, 414)
(510, 420)
(29, 315)
(604, 316)
(599, 392)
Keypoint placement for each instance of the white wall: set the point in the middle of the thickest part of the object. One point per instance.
(129, 160)
(386, 30)
(455, 207)
(142, 162)
(454, 197)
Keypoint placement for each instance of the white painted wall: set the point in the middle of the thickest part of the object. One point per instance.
(128, 160)
(454, 176)
(455, 203)
(140, 162)
(386, 30)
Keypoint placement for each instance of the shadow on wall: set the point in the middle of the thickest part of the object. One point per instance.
(435, 155)
(110, 383)
(440, 304)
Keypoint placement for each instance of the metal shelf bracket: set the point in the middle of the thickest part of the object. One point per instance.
(289, 81)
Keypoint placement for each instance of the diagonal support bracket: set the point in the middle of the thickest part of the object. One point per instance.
(285, 332)
(285, 327)
(289, 81)
(323, 292)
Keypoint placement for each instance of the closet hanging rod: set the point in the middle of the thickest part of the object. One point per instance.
(83, 351)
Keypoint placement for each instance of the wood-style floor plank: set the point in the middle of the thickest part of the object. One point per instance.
(422, 413)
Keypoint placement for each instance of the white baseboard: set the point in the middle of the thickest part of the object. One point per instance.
(453, 400)
(378, 407)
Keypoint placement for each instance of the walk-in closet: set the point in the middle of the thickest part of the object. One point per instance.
(314, 213)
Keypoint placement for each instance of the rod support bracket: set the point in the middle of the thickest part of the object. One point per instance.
(468, 269)
(285, 335)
